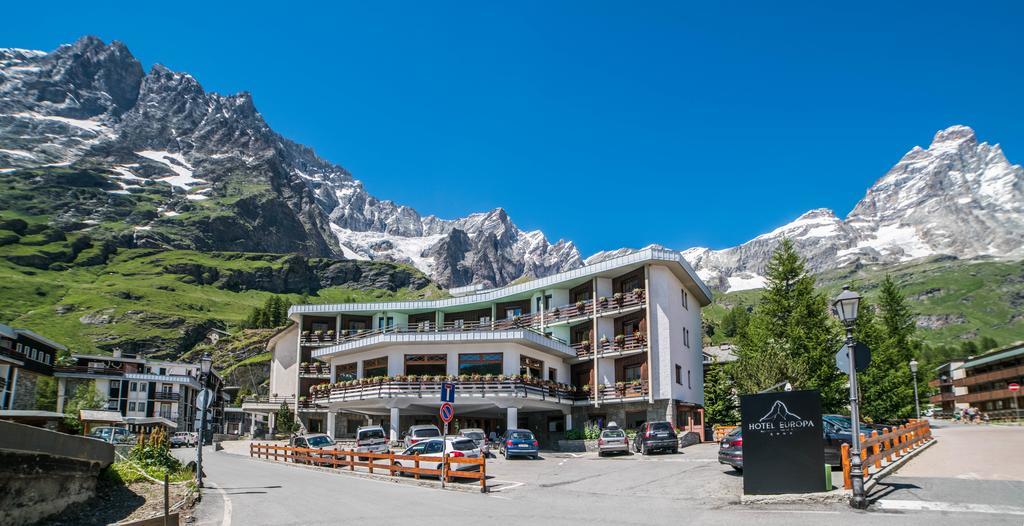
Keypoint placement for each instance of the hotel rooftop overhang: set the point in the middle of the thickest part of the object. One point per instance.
(523, 337)
(608, 269)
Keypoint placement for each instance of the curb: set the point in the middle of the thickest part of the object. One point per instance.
(821, 497)
(406, 481)
(895, 466)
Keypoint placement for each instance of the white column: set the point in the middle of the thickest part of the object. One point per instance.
(395, 414)
(512, 421)
(62, 386)
(331, 415)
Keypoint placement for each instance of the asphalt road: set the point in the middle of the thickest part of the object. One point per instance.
(971, 467)
(560, 489)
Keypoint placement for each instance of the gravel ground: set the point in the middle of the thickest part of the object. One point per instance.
(117, 503)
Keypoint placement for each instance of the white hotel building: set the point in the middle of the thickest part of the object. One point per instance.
(616, 341)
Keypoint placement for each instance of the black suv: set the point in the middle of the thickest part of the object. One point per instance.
(655, 436)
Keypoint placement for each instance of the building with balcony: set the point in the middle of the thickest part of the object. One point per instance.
(986, 379)
(945, 399)
(24, 357)
(618, 340)
(145, 392)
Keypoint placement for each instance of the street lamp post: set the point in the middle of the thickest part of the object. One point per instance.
(917, 403)
(204, 378)
(845, 306)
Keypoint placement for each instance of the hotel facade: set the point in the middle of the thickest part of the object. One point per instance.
(618, 340)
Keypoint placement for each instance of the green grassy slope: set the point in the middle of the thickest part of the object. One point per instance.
(956, 299)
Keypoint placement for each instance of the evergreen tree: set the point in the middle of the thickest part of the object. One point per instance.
(285, 421)
(86, 397)
(46, 393)
(790, 336)
(720, 405)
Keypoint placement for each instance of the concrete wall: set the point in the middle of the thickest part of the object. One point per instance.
(284, 368)
(43, 471)
(25, 389)
(668, 317)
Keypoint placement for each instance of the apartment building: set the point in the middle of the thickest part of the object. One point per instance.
(949, 383)
(983, 381)
(146, 392)
(615, 341)
(24, 357)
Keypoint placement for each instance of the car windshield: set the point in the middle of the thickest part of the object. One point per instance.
(613, 433)
(661, 427)
(463, 445)
(844, 424)
(475, 435)
(367, 434)
(735, 432)
(319, 441)
(521, 435)
(426, 432)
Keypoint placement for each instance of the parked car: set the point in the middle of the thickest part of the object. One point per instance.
(656, 436)
(519, 443)
(184, 439)
(371, 439)
(436, 447)
(730, 450)
(836, 431)
(612, 440)
(120, 435)
(479, 438)
(422, 432)
(313, 441)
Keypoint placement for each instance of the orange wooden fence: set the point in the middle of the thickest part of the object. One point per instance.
(339, 458)
(889, 445)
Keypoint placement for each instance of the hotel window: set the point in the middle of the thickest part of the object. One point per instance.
(480, 363)
(686, 300)
(320, 326)
(632, 283)
(679, 374)
(430, 364)
(346, 372)
(112, 405)
(632, 372)
(131, 406)
(552, 374)
(485, 320)
(531, 367)
(18, 347)
(459, 323)
(688, 384)
(686, 337)
(357, 325)
(133, 387)
(546, 303)
(513, 312)
(375, 367)
(385, 323)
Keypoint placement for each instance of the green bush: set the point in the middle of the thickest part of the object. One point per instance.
(154, 453)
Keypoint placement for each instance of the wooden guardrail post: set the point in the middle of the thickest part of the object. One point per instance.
(888, 444)
(845, 456)
(483, 475)
(863, 455)
(416, 474)
(876, 448)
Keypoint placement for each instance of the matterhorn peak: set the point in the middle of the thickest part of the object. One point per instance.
(955, 135)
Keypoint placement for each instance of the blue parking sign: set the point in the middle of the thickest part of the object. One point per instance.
(448, 392)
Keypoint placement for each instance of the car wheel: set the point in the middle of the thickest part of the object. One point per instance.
(643, 449)
(675, 451)
(737, 469)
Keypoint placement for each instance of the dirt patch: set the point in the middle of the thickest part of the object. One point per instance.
(119, 502)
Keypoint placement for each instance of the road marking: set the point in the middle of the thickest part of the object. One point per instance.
(511, 484)
(226, 518)
(923, 505)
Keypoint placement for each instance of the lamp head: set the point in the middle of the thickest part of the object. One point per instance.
(205, 362)
(913, 365)
(846, 305)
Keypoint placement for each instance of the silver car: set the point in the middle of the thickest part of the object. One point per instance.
(478, 437)
(612, 441)
(371, 439)
(456, 447)
(419, 433)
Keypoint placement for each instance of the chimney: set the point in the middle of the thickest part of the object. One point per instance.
(117, 352)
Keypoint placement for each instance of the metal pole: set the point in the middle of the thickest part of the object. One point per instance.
(167, 498)
(444, 455)
(917, 404)
(857, 499)
(202, 433)
(1016, 407)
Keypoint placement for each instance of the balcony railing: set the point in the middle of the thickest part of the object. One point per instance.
(172, 397)
(81, 369)
(623, 390)
(604, 304)
(315, 370)
(942, 397)
(264, 399)
(1002, 374)
(632, 342)
(430, 389)
(519, 323)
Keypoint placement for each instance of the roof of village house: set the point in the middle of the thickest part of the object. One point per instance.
(995, 355)
(721, 353)
(12, 332)
(686, 274)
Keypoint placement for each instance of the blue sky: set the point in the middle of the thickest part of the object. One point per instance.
(611, 124)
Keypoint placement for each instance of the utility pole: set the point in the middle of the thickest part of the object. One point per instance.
(845, 306)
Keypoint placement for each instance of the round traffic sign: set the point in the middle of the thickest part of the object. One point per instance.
(447, 412)
(1014, 387)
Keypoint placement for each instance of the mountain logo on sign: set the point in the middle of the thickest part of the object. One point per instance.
(779, 413)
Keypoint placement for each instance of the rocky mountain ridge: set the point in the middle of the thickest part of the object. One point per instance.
(220, 178)
(957, 197)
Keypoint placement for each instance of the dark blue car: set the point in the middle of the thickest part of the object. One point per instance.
(519, 443)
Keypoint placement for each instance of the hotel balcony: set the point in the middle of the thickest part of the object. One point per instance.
(942, 397)
(448, 333)
(613, 347)
(267, 403)
(429, 388)
(984, 378)
(167, 397)
(81, 371)
(314, 370)
(621, 392)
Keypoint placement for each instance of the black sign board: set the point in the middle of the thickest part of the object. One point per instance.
(783, 447)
